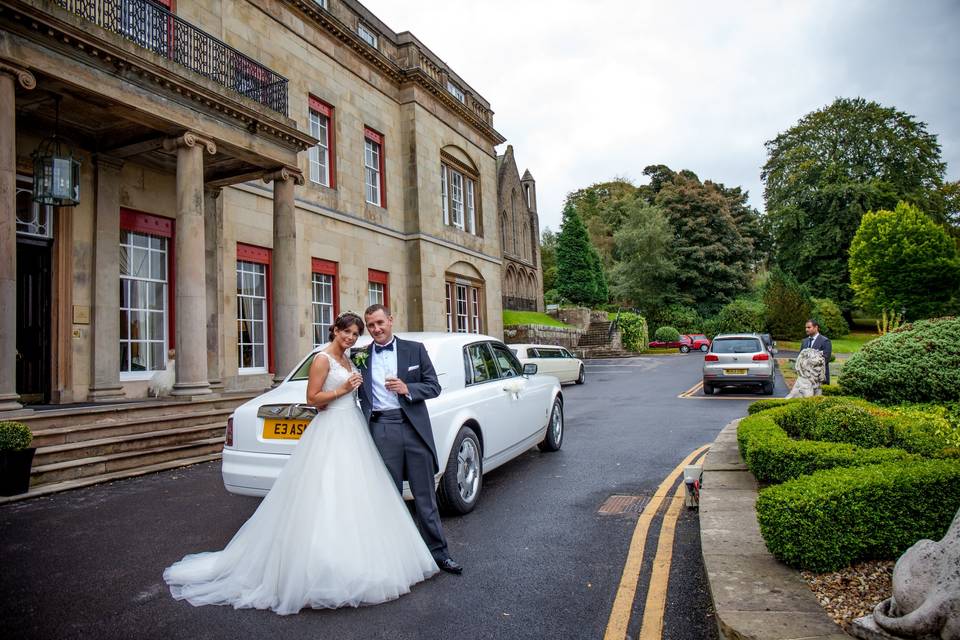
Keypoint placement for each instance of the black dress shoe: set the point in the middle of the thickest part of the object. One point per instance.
(448, 565)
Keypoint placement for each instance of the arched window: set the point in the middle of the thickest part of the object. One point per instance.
(465, 299)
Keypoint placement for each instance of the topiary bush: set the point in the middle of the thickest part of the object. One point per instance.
(852, 424)
(14, 436)
(833, 518)
(768, 403)
(666, 334)
(830, 318)
(918, 362)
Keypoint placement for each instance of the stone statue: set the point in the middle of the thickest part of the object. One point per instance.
(926, 594)
(810, 368)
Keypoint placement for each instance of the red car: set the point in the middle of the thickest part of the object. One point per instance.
(686, 344)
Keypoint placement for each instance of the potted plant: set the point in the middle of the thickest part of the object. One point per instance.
(16, 457)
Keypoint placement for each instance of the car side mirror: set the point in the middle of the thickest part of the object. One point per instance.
(529, 369)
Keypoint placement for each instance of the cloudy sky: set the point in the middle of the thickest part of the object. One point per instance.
(585, 91)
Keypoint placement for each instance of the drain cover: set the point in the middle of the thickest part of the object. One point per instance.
(618, 504)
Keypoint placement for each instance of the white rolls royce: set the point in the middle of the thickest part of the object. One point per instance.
(490, 410)
(552, 360)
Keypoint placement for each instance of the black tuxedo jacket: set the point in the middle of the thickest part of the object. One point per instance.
(826, 348)
(416, 370)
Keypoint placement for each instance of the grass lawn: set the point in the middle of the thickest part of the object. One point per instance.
(848, 344)
(530, 317)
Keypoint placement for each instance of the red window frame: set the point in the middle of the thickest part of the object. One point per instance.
(264, 256)
(324, 108)
(375, 136)
(380, 277)
(328, 268)
(140, 222)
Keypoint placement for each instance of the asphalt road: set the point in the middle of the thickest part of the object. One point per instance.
(540, 562)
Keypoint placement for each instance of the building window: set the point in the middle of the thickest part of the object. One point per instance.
(464, 305)
(253, 309)
(33, 219)
(456, 92)
(325, 299)
(373, 164)
(145, 277)
(458, 196)
(378, 287)
(367, 34)
(322, 4)
(322, 155)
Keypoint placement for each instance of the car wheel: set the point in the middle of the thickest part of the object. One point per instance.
(684, 348)
(583, 376)
(462, 480)
(554, 438)
(704, 347)
(768, 388)
(707, 389)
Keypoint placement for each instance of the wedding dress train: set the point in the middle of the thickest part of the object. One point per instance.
(332, 532)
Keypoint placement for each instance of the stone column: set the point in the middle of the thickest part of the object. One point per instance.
(8, 232)
(191, 294)
(106, 278)
(288, 327)
(213, 237)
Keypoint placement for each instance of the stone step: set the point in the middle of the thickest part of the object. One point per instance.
(98, 465)
(56, 487)
(46, 419)
(123, 425)
(123, 443)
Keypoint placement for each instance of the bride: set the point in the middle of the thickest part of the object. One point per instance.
(333, 531)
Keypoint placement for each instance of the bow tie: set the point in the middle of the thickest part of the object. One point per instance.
(387, 347)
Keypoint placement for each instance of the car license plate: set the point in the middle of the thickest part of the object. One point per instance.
(284, 429)
(735, 372)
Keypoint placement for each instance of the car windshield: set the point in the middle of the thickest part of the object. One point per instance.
(736, 345)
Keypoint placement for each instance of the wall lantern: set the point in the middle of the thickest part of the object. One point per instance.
(56, 173)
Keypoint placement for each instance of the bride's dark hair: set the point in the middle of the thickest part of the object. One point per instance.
(343, 321)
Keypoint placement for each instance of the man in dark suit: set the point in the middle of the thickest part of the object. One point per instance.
(816, 341)
(397, 380)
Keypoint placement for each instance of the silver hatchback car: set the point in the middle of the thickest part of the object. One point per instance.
(738, 360)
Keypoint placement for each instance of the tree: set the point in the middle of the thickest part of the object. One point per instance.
(548, 261)
(834, 165)
(712, 257)
(644, 276)
(902, 259)
(787, 305)
(579, 276)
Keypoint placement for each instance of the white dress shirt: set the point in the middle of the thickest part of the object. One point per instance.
(383, 364)
(813, 339)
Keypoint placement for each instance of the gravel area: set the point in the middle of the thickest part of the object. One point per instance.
(852, 592)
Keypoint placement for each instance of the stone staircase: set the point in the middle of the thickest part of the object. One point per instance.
(77, 447)
(597, 342)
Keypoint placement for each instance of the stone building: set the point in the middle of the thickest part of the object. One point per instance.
(248, 169)
(522, 275)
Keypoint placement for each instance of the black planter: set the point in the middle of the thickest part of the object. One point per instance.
(15, 471)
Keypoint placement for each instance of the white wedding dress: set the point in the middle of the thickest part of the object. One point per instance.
(332, 532)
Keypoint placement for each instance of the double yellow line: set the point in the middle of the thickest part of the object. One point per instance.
(692, 391)
(652, 626)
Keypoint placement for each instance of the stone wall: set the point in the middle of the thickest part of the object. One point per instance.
(541, 334)
(579, 317)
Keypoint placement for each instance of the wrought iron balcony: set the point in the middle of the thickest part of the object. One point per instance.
(154, 27)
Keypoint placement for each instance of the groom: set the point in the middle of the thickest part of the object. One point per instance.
(397, 380)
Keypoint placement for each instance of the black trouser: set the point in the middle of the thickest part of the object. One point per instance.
(407, 457)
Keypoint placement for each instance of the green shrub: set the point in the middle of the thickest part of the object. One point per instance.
(666, 334)
(14, 436)
(740, 316)
(633, 331)
(787, 305)
(918, 362)
(830, 318)
(831, 390)
(684, 319)
(921, 431)
(830, 519)
(769, 403)
(773, 456)
(851, 424)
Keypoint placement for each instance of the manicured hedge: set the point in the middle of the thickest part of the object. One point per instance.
(14, 436)
(918, 362)
(773, 456)
(830, 519)
(666, 334)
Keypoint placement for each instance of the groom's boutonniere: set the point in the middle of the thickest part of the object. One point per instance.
(360, 358)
